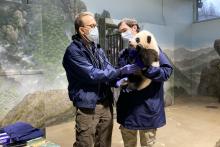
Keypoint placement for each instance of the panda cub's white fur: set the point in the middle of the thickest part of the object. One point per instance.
(145, 40)
(152, 44)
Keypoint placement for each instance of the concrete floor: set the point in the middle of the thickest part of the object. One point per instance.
(191, 122)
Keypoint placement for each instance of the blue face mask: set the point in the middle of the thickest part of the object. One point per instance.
(93, 35)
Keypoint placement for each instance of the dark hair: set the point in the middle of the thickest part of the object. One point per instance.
(130, 23)
(78, 20)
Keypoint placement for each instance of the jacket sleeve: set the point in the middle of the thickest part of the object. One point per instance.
(111, 82)
(77, 61)
(161, 73)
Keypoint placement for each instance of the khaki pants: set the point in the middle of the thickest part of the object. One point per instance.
(94, 126)
(147, 137)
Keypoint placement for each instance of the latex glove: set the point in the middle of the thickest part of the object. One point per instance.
(122, 82)
(129, 69)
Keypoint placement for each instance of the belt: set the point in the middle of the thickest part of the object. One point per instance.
(100, 102)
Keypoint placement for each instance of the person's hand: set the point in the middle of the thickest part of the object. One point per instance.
(122, 82)
(129, 69)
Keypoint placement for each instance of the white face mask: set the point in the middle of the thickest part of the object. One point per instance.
(127, 35)
(93, 35)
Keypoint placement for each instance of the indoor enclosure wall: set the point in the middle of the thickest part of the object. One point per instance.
(34, 36)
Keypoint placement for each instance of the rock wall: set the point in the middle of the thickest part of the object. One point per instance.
(42, 109)
(217, 46)
(210, 79)
(210, 76)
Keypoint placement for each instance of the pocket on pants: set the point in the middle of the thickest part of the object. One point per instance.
(148, 137)
(84, 119)
(82, 129)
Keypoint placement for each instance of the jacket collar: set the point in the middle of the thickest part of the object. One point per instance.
(77, 39)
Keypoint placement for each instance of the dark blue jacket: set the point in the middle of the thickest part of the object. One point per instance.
(144, 109)
(89, 74)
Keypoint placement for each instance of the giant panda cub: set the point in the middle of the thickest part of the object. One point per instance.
(145, 54)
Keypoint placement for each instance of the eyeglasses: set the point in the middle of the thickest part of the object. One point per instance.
(91, 26)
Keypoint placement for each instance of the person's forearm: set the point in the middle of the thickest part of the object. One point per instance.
(158, 73)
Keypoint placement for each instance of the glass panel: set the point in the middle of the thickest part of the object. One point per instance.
(57, 22)
(208, 9)
(21, 71)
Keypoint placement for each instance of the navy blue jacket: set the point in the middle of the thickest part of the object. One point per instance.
(144, 109)
(89, 74)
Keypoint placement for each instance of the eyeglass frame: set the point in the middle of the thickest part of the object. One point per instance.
(91, 25)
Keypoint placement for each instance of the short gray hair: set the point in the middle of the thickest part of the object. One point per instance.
(78, 19)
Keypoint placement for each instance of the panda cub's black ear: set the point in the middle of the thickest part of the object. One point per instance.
(148, 39)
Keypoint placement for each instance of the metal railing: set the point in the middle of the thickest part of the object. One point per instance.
(113, 46)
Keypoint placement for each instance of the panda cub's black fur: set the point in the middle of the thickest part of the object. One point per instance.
(145, 53)
(147, 56)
